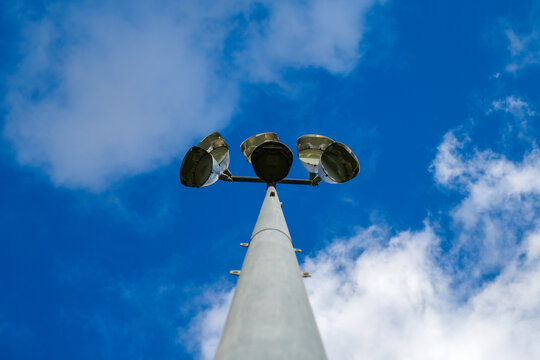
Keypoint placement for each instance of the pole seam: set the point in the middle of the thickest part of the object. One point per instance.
(260, 231)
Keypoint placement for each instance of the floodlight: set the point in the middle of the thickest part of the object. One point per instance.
(338, 164)
(270, 158)
(203, 163)
(310, 149)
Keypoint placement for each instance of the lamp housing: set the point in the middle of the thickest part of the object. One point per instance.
(270, 158)
(203, 163)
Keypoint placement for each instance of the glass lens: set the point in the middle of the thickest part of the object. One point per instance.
(339, 163)
(272, 161)
(196, 167)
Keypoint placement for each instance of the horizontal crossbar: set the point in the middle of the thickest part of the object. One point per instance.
(253, 179)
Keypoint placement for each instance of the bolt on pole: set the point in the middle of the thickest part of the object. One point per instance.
(270, 315)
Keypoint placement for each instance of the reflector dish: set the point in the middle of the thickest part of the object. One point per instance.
(272, 161)
(310, 149)
(249, 145)
(338, 164)
(217, 147)
(199, 168)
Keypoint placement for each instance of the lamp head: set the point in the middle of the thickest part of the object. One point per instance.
(338, 164)
(270, 158)
(310, 149)
(203, 163)
(272, 161)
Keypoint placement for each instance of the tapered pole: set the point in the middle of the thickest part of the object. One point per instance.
(270, 315)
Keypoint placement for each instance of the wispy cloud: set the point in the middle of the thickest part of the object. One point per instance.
(514, 106)
(501, 202)
(319, 34)
(202, 335)
(108, 93)
(524, 49)
(520, 116)
(104, 92)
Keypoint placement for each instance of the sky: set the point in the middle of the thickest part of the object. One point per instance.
(431, 252)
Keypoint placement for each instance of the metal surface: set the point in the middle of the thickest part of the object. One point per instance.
(253, 179)
(296, 182)
(338, 164)
(251, 143)
(217, 147)
(310, 149)
(270, 316)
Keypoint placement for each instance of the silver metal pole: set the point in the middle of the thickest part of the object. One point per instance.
(270, 316)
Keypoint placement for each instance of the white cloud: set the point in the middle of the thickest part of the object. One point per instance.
(204, 332)
(502, 197)
(524, 49)
(513, 105)
(378, 296)
(104, 92)
(395, 302)
(448, 163)
(321, 34)
(520, 117)
(103, 96)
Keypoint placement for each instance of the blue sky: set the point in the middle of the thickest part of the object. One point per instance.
(432, 252)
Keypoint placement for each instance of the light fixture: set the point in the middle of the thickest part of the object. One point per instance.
(325, 159)
(270, 158)
(204, 163)
(333, 161)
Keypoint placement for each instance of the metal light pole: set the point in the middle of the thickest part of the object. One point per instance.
(270, 315)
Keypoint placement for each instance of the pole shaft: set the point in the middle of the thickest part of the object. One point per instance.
(270, 315)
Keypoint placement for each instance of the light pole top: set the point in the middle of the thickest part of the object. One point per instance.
(325, 159)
